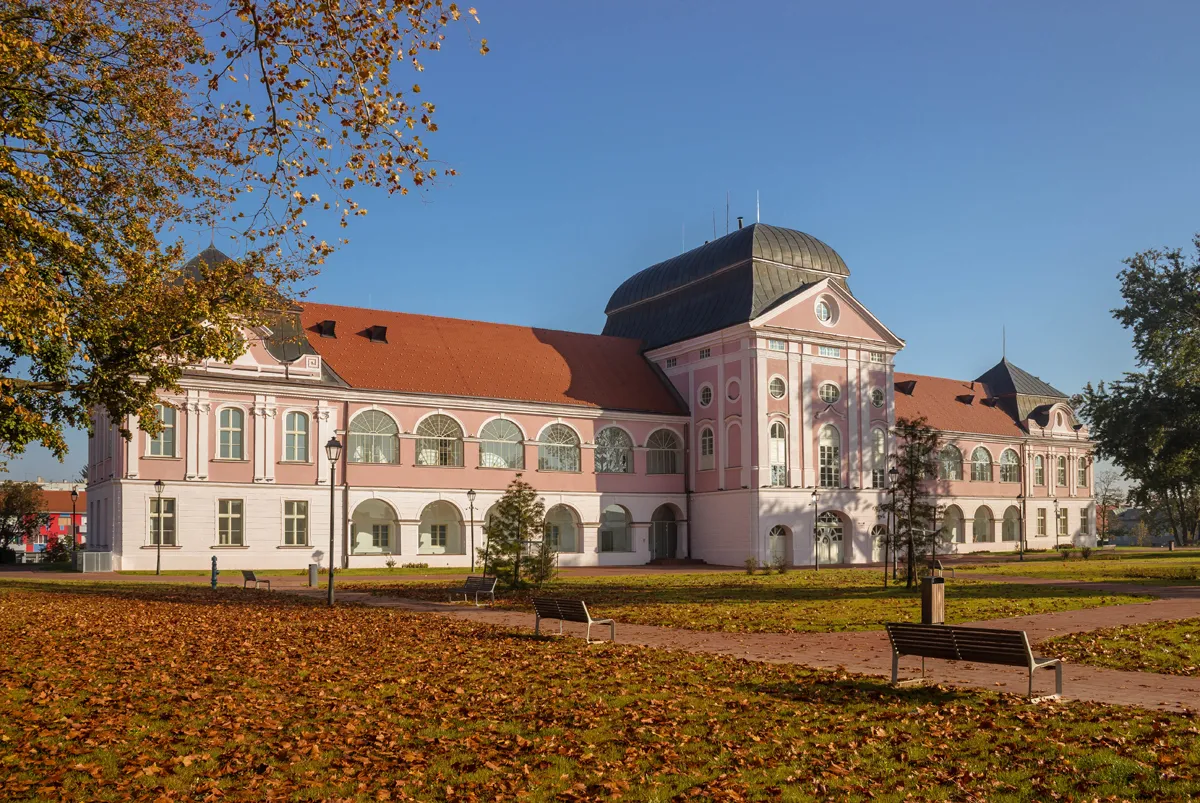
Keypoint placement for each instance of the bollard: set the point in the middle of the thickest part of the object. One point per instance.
(214, 573)
(933, 601)
(313, 569)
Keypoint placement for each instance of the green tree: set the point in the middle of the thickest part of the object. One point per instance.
(516, 522)
(22, 512)
(1148, 422)
(123, 124)
(912, 508)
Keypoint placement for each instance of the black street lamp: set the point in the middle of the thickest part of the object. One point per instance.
(333, 450)
(1021, 527)
(1057, 527)
(893, 472)
(471, 503)
(816, 498)
(159, 485)
(74, 524)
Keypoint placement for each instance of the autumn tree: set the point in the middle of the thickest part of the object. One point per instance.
(22, 512)
(1148, 421)
(513, 530)
(912, 506)
(123, 125)
(1109, 495)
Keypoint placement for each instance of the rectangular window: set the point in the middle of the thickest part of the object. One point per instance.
(1041, 521)
(671, 362)
(616, 540)
(295, 436)
(229, 522)
(1083, 522)
(162, 521)
(777, 345)
(163, 444)
(877, 478)
(229, 428)
(295, 523)
(437, 535)
(829, 351)
(381, 536)
(877, 357)
(831, 465)
(1062, 522)
(64, 523)
(1062, 472)
(1081, 478)
(705, 353)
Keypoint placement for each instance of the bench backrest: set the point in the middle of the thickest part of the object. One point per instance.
(985, 645)
(568, 610)
(479, 584)
(248, 575)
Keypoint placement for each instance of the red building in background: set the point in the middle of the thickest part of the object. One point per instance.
(60, 525)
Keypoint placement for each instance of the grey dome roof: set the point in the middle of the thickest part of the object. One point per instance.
(727, 281)
(211, 256)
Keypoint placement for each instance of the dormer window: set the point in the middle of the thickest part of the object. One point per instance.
(376, 334)
(326, 328)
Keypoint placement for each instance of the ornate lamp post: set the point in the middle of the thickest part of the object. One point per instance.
(159, 485)
(1021, 527)
(893, 472)
(74, 524)
(1057, 527)
(471, 503)
(816, 499)
(333, 450)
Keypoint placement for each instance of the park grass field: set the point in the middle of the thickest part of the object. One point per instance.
(796, 602)
(1169, 648)
(1164, 568)
(169, 692)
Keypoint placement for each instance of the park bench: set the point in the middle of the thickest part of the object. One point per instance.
(940, 571)
(975, 644)
(475, 586)
(249, 577)
(568, 610)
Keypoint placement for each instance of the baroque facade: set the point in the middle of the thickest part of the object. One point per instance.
(740, 402)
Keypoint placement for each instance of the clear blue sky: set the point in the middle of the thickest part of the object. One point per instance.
(976, 165)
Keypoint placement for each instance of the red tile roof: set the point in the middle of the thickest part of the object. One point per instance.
(452, 357)
(60, 501)
(943, 403)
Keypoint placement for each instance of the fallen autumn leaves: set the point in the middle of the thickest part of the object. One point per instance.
(171, 692)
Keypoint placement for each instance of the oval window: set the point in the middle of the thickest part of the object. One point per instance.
(829, 392)
(733, 391)
(824, 314)
(777, 388)
(705, 396)
(877, 397)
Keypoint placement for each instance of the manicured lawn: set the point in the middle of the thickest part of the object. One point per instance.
(799, 601)
(1170, 648)
(397, 572)
(1161, 569)
(172, 692)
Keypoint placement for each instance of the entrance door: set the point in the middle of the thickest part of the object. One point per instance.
(664, 534)
(829, 538)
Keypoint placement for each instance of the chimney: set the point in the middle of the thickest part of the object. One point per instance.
(739, 221)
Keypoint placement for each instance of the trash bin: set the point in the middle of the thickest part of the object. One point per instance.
(933, 601)
(313, 569)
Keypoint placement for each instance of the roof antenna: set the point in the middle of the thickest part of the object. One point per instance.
(714, 224)
(682, 237)
(1003, 343)
(726, 211)
(757, 209)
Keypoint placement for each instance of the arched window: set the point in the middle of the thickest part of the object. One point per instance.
(373, 438)
(981, 527)
(829, 453)
(560, 530)
(1010, 466)
(878, 458)
(163, 444)
(664, 453)
(950, 463)
(778, 454)
(952, 526)
(614, 451)
(981, 465)
(1062, 472)
(439, 442)
(1039, 470)
(1011, 527)
(231, 423)
(707, 449)
(614, 530)
(500, 445)
(373, 529)
(295, 437)
(440, 530)
(559, 449)
(779, 543)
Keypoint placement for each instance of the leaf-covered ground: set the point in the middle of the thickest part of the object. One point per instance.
(796, 602)
(1169, 648)
(181, 693)
(1164, 569)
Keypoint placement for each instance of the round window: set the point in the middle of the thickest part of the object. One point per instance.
(877, 397)
(824, 311)
(777, 388)
(733, 391)
(705, 396)
(829, 392)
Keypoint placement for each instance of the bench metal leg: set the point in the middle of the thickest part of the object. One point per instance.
(537, 625)
(895, 668)
(1058, 685)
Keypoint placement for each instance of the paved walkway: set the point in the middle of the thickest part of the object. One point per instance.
(868, 652)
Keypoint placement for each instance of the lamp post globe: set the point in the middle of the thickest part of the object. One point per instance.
(333, 451)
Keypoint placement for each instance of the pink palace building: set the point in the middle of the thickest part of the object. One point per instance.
(739, 403)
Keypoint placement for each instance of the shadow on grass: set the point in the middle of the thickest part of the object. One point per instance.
(856, 689)
(160, 592)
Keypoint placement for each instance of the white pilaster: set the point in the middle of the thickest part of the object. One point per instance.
(190, 446)
(203, 414)
(720, 433)
(268, 423)
(854, 464)
(747, 427)
(132, 449)
(762, 457)
(795, 472)
(806, 428)
(258, 412)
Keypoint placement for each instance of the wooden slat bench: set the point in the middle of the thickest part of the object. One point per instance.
(568, 610)
(475, 586)
(940, 571)
(249, 577)
(975, 644)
